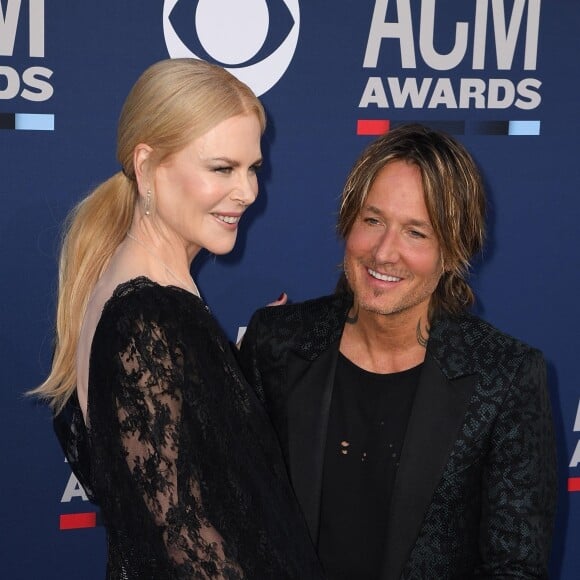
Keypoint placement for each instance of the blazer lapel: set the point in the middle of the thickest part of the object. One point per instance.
(308, 408)
(437, 415)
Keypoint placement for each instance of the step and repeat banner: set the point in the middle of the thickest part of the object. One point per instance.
(503, 76)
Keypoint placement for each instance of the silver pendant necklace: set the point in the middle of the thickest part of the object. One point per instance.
(191, 287)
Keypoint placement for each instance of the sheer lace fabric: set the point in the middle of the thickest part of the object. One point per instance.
(179, 452)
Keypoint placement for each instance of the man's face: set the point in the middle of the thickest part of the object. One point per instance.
(392, 256)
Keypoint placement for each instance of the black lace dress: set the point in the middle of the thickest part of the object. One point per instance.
(179, 453)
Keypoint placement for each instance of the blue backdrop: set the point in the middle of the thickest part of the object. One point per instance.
(502, 75)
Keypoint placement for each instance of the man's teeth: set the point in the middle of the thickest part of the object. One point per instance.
(227, 219)
(383, 277)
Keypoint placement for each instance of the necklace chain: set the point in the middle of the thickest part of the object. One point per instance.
(192, 286)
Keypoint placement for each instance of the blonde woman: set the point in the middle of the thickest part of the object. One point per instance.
(154, 416)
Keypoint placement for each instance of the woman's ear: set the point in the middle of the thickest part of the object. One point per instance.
(142, 164)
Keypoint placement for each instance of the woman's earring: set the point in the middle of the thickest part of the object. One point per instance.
(148, 203)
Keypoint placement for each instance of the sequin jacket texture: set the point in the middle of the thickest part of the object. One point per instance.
(475, 494)
(179, 453)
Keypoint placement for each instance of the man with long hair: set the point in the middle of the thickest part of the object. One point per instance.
(418, 437)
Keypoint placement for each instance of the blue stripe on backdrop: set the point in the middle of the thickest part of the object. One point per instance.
(33, 122)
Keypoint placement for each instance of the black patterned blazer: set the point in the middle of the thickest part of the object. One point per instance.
(475, 492)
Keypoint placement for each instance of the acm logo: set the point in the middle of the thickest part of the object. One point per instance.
(30, 83)
(496, 37)
(255, 40)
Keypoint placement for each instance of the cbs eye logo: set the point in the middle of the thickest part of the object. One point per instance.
(255, 40)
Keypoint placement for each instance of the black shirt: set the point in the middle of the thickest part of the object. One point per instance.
(366, 429)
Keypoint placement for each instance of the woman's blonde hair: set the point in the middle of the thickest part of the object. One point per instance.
(172, 103)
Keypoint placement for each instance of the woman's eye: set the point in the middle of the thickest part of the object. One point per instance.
(225, 170)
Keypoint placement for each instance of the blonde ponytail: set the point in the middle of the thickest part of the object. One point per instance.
(96, 226)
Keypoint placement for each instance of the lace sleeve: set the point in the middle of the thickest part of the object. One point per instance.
(149, 410)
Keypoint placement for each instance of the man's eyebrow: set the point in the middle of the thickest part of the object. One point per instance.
(372, 209)
(411, 221)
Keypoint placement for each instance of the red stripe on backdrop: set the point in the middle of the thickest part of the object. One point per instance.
(78, 521)
(574, 484)
(372, 127)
